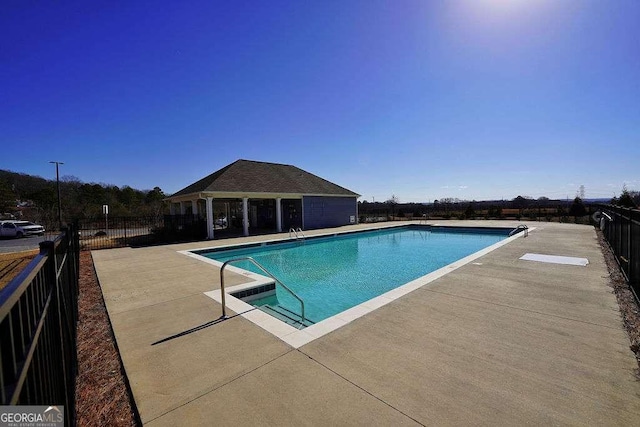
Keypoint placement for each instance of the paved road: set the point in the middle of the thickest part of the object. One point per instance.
(24, 244)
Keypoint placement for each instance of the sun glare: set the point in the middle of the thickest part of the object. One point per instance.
(497, 16)
(505, 6)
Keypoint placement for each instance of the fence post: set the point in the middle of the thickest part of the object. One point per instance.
(51, 271)
(620, 231)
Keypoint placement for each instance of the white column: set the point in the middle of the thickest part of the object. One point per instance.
(245, 216)
(210, 218)
(194, 207)
(182, 208)
(278, 215)
(172, 208)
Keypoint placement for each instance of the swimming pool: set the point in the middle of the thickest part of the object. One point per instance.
(338, 272)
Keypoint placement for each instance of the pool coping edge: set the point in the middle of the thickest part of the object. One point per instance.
(299, 337)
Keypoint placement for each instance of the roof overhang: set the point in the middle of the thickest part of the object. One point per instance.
(241, 195)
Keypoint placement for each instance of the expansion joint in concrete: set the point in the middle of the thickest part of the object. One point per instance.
(361, 388)
(521, 309)
(221, 385)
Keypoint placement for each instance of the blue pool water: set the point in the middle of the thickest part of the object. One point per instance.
(332, 274)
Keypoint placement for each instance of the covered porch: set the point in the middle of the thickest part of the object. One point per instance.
(253, 197)
(242, 214)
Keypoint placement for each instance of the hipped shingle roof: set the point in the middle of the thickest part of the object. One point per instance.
(248, 176)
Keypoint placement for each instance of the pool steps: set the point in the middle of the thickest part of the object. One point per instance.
(285, 315)
(257, 264)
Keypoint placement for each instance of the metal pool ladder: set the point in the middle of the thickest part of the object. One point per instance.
(520, 228)
(257, 264)
(295, 232)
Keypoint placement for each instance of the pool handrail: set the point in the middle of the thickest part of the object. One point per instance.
(257, 264)
(518, 229)
(295, 232)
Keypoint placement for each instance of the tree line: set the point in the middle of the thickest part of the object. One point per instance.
(520, 206)
(36, 199)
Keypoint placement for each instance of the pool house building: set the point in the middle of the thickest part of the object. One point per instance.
(274, 197)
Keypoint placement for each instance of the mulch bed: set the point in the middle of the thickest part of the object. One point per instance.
(102, 395)
(628, 305)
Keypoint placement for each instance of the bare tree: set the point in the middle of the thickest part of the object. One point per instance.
(393, 201)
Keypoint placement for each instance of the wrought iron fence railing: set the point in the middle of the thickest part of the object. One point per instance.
(38, 324)
(116, 232)
(621, 229)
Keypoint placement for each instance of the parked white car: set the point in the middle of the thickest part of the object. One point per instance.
(20, 229)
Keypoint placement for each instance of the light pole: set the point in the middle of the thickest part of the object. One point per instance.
(58, 184)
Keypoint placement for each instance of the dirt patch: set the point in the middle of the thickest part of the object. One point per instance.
(102, 395)
(11, 264)
(626, 300)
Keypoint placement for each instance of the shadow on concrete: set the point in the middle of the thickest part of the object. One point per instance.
(200, 327)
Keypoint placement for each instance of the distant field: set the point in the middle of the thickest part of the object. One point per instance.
(12, 264)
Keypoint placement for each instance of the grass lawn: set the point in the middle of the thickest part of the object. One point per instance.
(11, 264)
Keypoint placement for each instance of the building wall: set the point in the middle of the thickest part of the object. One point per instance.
(291, 214)
(322, 212)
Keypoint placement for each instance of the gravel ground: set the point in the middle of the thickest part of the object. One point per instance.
(102, 396)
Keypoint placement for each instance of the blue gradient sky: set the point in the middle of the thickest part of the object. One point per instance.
(477, 99)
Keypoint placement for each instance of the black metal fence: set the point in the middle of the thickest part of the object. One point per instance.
(116, 232)
(621, 228)
(38, 324)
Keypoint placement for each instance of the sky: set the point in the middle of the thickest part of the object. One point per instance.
(476, 99)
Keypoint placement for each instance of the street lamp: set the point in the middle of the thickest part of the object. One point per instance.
(58, 184)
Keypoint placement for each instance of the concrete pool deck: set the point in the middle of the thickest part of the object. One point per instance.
(497, 341)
